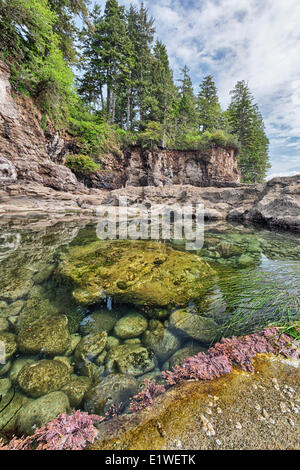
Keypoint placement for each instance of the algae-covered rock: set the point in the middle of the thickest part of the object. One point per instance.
(75, 339)
(161, 341)
(5, 386)
(3, 309)
(112, 342)
(18, 366)
(4, 325)
(10, 344)
(100, 320)
(203, 329)
(35, 310)
(11, 404)
(112, 390)
(49, 335)
(130, 326)
(4, 368)
(39, 412)
(90, 347)
(43, 377)
(135, 272)
(76, 388)
(132, 359)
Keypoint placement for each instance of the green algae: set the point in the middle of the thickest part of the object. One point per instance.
(134, 272)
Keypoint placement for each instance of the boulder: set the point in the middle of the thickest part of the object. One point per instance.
(18, 366)
(113, 390)
(39, 412)
(100, 320)
(9, 340)
(192, 325)
(190, 349)
(49, 335)
(76, 388)
(134, 272)
(131, 359)
(130, 326)
(161, 341)
(43, 377)
(90, 347)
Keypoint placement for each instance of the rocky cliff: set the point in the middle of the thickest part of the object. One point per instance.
(141, 167)
(28, 154)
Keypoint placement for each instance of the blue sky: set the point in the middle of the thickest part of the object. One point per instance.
(253, 40)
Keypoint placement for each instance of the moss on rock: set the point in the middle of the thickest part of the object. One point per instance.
(43, 377)
(49, 334)
(134, 272)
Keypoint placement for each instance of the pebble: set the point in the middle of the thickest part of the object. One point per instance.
(265, 413)
(207, 426)
(283, 407)
(238, 426)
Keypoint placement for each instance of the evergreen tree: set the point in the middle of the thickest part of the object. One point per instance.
(186, 108)
(208, 106)
(247, 123)
(141, 33)
(163, 90)
(65, 27)
(109, 56)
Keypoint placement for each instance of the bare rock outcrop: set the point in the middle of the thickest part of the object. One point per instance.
(26, 153)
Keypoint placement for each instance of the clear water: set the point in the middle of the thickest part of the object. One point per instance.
(257, 283)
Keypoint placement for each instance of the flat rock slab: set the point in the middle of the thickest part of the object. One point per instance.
(238, 411)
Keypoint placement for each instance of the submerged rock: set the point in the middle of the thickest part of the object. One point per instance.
(90, 347)
(18, 366)
(76, 388)
(49, 335)
(100, 320)
(39, 412)
(5, 386)
(190, 349)
(4, 368)
(10, 344)
(131, 359)
(161, 341)
(130, 326)
(202, 329)
(112, 390)
(134, 272)
(4, 325)
(43, 377)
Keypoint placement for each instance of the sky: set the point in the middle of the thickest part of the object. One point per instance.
(253, 40)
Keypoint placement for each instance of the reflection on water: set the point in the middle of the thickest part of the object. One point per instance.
(62, 354)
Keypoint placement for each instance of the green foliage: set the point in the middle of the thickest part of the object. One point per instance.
(152, 135)
(197, 141)
(247, 123)
(208, 106)
(31, 47)
(81, 164)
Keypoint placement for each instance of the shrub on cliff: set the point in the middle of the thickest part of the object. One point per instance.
(82, 164)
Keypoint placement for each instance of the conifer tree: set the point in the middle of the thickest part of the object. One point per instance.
(208, 106)
(247, 123)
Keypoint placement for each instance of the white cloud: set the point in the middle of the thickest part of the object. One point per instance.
(253, 40)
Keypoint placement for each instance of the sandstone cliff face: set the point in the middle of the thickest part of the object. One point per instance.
(26, 153)
(140, 167)
(166, 167)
